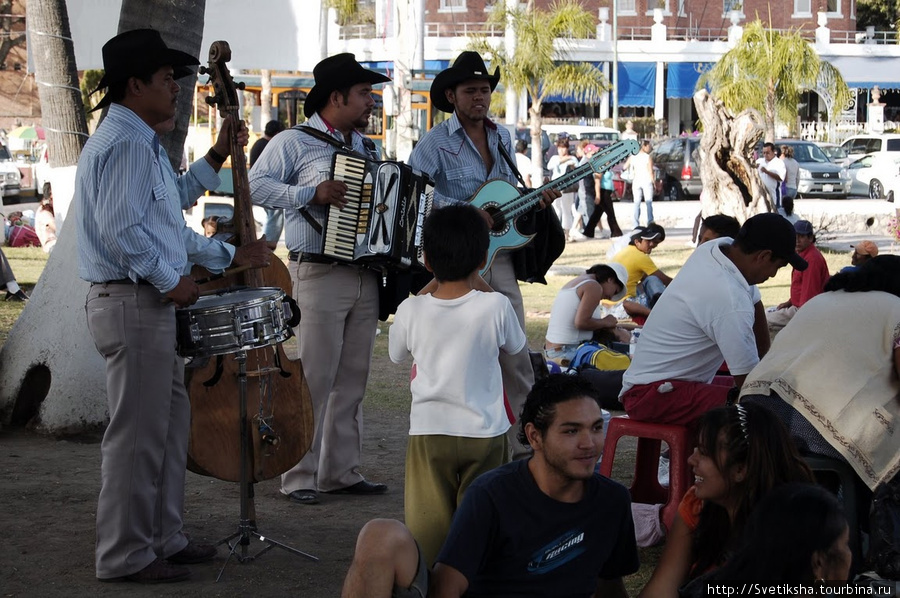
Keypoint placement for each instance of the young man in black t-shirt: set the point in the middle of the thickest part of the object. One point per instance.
(548, 526)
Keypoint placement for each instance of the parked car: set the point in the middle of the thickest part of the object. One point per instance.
(875, 175)
(835, 153)
(221, 206)
(860, 145)
(678, 160)
(622, 189)
(819, 176)
(10, 177)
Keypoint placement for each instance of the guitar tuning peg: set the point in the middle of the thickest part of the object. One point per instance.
(203, 70)
(212, 100)
(241, 85)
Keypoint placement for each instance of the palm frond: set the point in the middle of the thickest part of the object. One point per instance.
(582, 80)
(774, 68)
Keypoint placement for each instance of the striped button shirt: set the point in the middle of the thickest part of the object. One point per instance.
(449, 156)
(128, 203)
(286, 176)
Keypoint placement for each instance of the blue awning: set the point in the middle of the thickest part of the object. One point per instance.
(868, 71)
(637, 83)
(681, 81)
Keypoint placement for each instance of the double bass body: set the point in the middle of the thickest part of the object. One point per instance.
(279, 409)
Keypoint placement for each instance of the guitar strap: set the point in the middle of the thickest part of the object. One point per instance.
(512, 165)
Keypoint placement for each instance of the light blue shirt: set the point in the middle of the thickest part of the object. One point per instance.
(286, 176)
(448, 155)
(128, 204)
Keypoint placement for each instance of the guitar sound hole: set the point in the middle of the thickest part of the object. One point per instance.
(497, 216)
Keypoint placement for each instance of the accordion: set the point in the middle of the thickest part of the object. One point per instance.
(387, 203)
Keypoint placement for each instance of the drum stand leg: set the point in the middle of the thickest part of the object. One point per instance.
(247, 526)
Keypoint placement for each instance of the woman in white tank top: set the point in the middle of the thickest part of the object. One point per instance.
(576, 311)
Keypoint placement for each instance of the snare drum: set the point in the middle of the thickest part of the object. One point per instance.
(233, 321)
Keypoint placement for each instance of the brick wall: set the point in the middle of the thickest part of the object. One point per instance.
(703, 14)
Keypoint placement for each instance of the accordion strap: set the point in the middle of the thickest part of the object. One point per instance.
(322, 136)
(331, 141)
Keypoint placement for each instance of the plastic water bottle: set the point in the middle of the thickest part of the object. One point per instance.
(632, 344)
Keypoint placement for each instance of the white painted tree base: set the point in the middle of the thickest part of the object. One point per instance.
(52, 333)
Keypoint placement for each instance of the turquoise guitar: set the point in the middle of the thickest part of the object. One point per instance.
(505, 204)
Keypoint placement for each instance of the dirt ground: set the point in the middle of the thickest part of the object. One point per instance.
(48, 498)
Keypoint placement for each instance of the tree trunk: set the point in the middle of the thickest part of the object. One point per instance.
(62, 111)
(770, 111)
(323, 30)
(731, 183)
(181, 26)
(537, 148)
(53, 378)
(265, 99)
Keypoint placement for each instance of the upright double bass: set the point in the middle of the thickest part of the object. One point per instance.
(280, 415)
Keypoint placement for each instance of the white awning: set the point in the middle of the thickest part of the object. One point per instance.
(868, 71)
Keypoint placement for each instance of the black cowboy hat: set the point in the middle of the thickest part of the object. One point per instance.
(337, 72)
(467, 65)
(136, 52)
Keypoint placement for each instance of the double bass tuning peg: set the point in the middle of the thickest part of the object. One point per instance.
(203, 70)
(240, 85)
(212, 100)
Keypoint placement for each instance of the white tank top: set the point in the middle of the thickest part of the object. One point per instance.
(561, 329)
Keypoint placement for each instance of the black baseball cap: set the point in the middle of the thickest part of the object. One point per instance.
(773, 232)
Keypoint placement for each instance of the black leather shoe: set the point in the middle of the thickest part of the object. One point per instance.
(159, 571)
(193, 553)
(364, 487)
(17, 296)
(304, 497)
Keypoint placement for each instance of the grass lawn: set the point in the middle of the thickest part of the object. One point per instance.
(388, 387)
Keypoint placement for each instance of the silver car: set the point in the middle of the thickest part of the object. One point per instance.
(819, 176)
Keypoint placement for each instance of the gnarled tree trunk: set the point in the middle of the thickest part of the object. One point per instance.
(731, 183)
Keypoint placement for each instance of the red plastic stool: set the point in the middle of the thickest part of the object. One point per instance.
(646, 487)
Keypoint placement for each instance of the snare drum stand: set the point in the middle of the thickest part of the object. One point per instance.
(246, 526)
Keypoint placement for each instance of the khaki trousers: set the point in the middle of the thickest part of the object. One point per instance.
(439, 469)
(518, 375)
(336, 335)
(144, 448)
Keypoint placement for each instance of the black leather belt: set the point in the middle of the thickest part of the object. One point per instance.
(313, 258)
(124, 281)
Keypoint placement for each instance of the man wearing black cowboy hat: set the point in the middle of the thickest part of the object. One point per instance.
(339, 301)
(461, 154)
(134, 247)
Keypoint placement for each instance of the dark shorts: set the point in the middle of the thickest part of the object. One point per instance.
(419, 586)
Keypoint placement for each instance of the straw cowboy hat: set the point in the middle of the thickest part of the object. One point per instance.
(137, 52)
(467, 66)
(337, 72)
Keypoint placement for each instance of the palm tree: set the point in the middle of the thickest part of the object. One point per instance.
(537, 66)
(54, 62)
(181, 26)
(769, 70)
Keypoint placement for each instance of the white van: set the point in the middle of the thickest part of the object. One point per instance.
(579, 132)
(10, 177)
